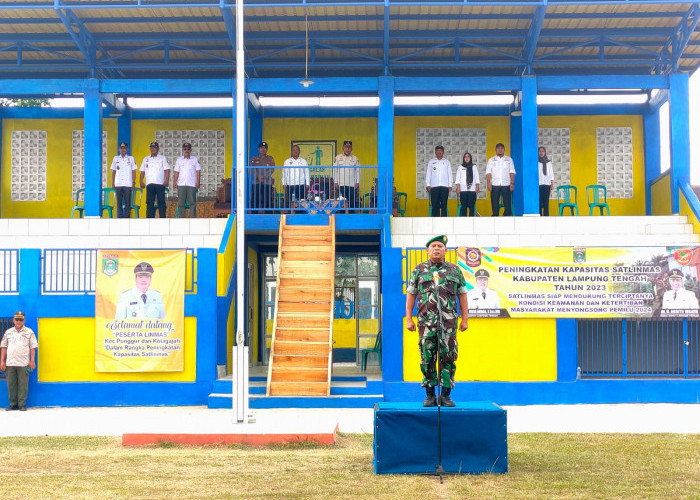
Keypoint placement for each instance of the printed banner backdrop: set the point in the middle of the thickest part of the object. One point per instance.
(140, 311)
(593, 282)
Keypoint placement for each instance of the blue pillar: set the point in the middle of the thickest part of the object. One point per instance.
(679, 115)
(652, 152)
(393, 302)
(124, 131)
(92, 119)
(567, 353)
(255, 135)
(526, 180)
(385, 143)
(206, 316)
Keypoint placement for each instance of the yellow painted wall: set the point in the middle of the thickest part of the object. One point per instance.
(497, 130)
(280, 132)
(584, 158)
(59, 151)
(505, 350)
(67, 354)
(684, 209)
(661, 196)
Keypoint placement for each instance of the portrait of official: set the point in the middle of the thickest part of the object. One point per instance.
(678, 297)
(482, 297)
(141, 302)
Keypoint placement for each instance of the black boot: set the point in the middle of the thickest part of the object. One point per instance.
(445, 398)
(430, 399)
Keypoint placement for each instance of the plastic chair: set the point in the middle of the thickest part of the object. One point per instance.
(565, 198)
(136, 200)
(367, 200)
(109, 196)
(403, 199)
(187, 205)
(597, 197)
(501, 204)
(79, 203)
(155, 201)
(364, 353)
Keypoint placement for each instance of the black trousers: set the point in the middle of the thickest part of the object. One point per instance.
(153, 192)
(468, 201)
(438, 200)
(123, 202)
(544, 199)
(498, 192)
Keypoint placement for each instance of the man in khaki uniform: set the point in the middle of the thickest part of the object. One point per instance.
(17, 359)
(347, 180)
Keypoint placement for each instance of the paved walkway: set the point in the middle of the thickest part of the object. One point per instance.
(624, 418)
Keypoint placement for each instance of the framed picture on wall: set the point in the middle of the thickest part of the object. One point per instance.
(317, 152)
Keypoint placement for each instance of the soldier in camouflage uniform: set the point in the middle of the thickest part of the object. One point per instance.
(451, 286)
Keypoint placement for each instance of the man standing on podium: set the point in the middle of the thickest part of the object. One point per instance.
(429, 280)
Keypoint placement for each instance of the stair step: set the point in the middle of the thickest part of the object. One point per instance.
(286, 348)
(310, 239)
(298, 389)
(319, 308)
(300, 361)
(303, 322)
(302, 334)
(298, 374)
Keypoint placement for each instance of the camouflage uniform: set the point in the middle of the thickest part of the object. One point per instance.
(452, 284)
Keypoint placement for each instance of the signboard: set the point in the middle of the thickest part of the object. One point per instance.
(140, 311)
(592, 282)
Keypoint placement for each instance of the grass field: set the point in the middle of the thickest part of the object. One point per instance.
(542, 466)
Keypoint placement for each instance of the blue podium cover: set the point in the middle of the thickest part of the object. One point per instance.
(474, 438)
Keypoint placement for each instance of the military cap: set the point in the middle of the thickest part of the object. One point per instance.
(262, 144)
(143, 268)
(481, 273)
(675, 274)
(187, 145)
(19, 315)
(442, 239)
(347, 143)
(154, 144)
(439, 146)
(123, 144)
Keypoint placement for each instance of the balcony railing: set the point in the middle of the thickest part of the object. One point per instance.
(323, 189)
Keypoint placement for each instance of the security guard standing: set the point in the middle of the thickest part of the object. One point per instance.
(18, 358)
(437, 285)
(141, 302)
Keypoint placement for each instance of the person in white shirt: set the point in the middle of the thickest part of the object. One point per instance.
(500, 180)
(482, 297)
(546, 179)
(678, 297)
(123, 178)
(155, 177)
(467, 182)
(295, 178)
(187, 174)
(347, 180)
(438, 182)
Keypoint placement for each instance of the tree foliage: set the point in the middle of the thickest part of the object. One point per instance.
(25, 103)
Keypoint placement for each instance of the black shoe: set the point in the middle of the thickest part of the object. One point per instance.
(11, 408)
(22, 408)
(445, 398)
(430, 399)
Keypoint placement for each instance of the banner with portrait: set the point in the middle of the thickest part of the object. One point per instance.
(140, 311)
(592, 282)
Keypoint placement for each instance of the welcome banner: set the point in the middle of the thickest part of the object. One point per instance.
(140, 311)
(593, 282)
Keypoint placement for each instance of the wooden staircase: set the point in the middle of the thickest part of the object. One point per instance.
(302, 335)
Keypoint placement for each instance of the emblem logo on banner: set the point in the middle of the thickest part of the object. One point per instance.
(566, 282)
(140, 311)
(110, 264)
